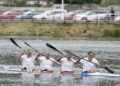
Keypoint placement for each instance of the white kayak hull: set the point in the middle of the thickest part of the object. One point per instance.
(76, 74)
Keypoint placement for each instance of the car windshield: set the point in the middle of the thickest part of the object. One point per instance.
(16, 12)
(55, 12)
(1, 12)
(97, 12)
(36, 12)
(80, 11)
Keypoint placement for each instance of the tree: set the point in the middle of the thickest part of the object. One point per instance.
(57, 1)
(79, 1)
(37, 4)
(49, 3)
(117, 2)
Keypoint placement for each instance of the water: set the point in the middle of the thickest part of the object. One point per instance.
(107, 53)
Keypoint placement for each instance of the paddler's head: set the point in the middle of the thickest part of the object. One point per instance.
(29, 53)
(48, 54)
(90, 55)
(69, 56)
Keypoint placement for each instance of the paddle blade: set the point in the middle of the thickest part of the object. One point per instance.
(52, 47)
(109, 70)
(13, 41)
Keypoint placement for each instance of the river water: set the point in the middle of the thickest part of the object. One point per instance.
(106, 52)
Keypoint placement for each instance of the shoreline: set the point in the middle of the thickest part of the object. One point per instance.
(52, 38)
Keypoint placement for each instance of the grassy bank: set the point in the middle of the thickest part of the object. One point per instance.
(66, 31)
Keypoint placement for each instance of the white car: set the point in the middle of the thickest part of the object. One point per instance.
(71, 14)
(91, 15)
(55, 14)
(26, 13)
(117, 18)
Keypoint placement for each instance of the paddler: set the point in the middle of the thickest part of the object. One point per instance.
(27, 60)
(46, 62)
(67, 65)
(89, 64)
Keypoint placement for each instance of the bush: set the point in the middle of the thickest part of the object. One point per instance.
(15, 3)
(112, 32)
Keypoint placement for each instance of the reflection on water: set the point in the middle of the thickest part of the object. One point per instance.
(67, 80)
(27, 79)
(107, 52)
(46, 79)
(89, 81)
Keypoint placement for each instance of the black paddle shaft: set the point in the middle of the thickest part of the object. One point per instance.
(109, 70)
(33, 48)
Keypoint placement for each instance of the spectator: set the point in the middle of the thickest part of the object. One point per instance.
(112, 13)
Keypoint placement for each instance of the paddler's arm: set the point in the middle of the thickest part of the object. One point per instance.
(77, 62)
(55, 61)
(97, 64)
(39, 54)
(58, 60)
(22, 53)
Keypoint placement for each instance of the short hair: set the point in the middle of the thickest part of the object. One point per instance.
(28, 50)
(90, 52)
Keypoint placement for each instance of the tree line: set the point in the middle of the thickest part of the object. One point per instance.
(23, 3)
(20, 3)
(79, 1)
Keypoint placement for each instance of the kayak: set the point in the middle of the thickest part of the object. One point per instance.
(35, 71)
(97, 74)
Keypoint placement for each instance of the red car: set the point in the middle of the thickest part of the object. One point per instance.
(11, 14)
(2, 12)
(68, 17)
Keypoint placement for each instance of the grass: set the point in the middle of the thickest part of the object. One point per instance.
(73, 31)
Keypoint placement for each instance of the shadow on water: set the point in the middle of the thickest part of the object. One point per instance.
(107, 53)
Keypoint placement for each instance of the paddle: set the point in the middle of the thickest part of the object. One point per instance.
(32, 48)
(109, 70)
(13, 41)
(52, 47)
(41, 53)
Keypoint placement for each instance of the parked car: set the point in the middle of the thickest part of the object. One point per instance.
(1, 13)
(29, 14)
(70, 15)
(50, 15)
(11, 14)
(91, 15)
(117, 18)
